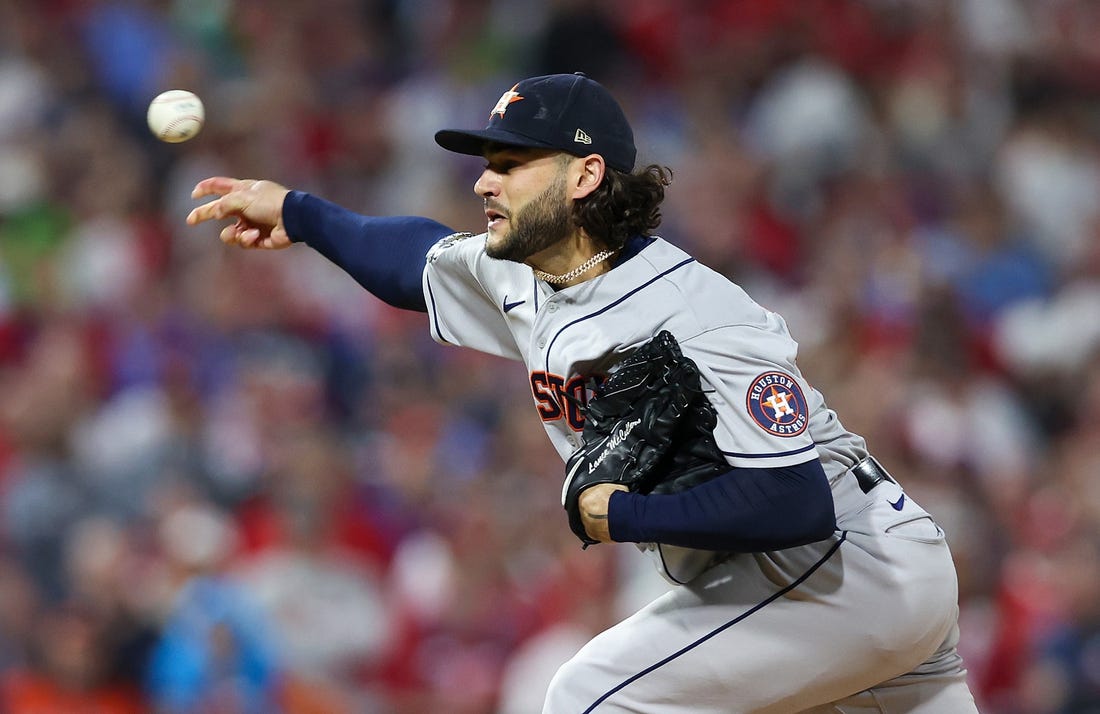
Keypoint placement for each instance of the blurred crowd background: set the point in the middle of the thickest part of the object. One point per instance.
(233, 481)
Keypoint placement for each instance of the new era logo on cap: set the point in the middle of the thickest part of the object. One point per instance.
(545, 112)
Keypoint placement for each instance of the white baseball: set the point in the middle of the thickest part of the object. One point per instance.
(176, 115)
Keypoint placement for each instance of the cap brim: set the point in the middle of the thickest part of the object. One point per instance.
(474, 142)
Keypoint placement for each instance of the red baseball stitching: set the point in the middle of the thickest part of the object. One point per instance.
(171, 125)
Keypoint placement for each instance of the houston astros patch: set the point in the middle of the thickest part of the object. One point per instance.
(777, 405)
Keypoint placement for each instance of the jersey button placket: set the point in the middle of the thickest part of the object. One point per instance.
(549, 307)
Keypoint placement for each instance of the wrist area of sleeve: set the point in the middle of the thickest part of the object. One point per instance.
(624, 515)
(301, 213)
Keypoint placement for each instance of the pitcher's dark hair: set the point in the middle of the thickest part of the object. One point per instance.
(624, 205)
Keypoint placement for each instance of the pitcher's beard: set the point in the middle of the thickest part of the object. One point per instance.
(537, 226)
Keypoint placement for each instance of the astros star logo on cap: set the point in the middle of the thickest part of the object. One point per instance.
(505, 99)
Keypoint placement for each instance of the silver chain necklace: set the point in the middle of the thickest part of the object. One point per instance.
(579, 270)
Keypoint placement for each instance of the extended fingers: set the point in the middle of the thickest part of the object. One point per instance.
(202, 213)
(231, 198)
(228, 205)
(218, 186)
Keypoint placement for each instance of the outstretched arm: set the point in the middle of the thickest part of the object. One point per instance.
(385, 255)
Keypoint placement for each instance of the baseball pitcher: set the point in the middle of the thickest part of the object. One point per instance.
(806, 579)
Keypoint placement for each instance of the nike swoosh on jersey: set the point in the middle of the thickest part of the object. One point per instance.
(508, 306)
(898, 504)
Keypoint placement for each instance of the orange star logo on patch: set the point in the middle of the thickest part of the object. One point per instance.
(505, 99)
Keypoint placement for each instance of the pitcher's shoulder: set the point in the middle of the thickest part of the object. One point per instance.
(450, 241)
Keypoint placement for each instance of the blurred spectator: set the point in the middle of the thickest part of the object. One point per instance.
(1065, 677)
(19, 603)
(215, 650)
(102, 566)
(69, 671)
(323, 590)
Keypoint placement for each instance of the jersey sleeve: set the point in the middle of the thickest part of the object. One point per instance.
(461, 288)
(761, 397)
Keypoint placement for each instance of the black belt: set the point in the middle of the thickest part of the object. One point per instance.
(870, 473)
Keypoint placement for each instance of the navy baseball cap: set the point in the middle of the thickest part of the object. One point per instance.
(568, 112)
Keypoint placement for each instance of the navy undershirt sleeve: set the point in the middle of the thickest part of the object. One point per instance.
(744, 510)
(386, 255)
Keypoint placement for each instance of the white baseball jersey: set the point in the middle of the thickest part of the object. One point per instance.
(864, 621)
(767, 414)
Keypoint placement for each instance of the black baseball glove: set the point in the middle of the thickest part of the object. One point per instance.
(649, 427)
